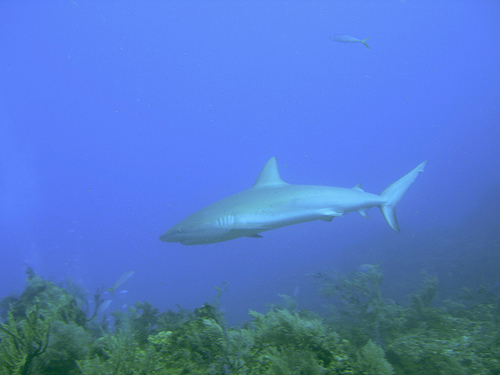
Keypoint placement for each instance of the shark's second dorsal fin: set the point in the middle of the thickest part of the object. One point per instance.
(358, 187)
(269, 175)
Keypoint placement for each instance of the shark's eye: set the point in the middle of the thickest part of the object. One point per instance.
(179, 231)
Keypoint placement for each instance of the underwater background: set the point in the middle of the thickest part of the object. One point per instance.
(120, 118)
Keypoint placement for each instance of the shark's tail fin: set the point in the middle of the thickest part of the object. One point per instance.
(393, 194)
(364, 42)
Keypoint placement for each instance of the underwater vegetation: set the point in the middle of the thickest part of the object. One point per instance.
(49, 330)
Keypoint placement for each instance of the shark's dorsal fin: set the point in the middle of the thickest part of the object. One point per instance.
(269, 175)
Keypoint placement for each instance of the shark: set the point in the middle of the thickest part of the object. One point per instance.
(350, 39)
(272, 203)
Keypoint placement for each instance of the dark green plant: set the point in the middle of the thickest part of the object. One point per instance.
(22, 341)
(116, 353)
(358, 310)
(372, 360)
(205, 342)
(45, 332)
(68, 343)
(144, 321)
(421, 299)
(50, 299)
(282, 333)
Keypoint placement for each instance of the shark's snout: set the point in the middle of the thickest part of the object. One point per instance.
(170, 236)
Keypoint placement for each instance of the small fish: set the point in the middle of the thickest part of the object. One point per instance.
(104, 306)
(367, 267)
(349, 39)
(122, 280)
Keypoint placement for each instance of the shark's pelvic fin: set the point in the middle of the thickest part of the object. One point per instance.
(393, 194)
(269, 175)
(329, 214)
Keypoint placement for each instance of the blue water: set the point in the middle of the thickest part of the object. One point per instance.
(120, 118)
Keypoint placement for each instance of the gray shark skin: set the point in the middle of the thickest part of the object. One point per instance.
(272, 203)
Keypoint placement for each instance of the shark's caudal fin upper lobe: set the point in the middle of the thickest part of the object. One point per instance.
(393, 194)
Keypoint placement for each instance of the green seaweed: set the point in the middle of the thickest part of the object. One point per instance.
(40, 331)
(372, 360)
(46, 331)
(359, 311)
(22, 341)
(116, 353)
(427, 336)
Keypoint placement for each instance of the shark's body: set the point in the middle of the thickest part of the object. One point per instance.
(349, 39)
(272, 203)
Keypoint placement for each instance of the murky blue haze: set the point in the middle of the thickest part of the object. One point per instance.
(120, 118)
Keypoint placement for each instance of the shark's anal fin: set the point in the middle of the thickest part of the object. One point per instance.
(363, 213)
(328, 215)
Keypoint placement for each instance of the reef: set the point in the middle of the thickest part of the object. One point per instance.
(49, 329)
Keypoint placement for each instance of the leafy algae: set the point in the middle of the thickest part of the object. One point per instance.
(46, 330)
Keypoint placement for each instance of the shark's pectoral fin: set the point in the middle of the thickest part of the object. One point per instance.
(255, 235)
